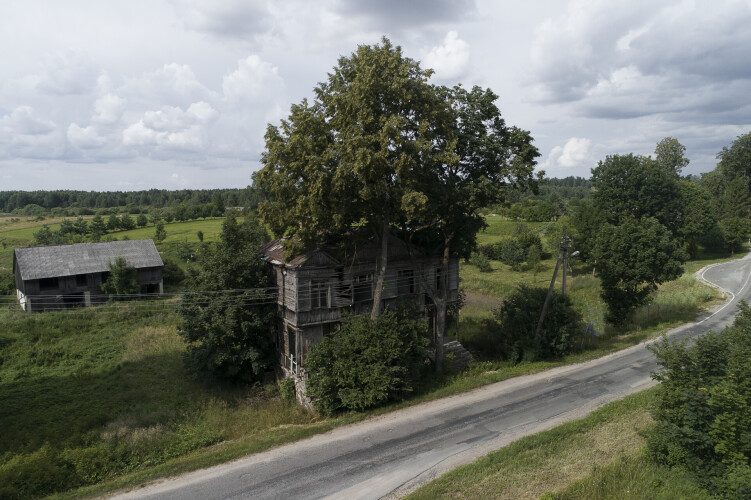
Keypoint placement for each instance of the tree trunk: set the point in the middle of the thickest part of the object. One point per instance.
(440, 299)
(381, 264)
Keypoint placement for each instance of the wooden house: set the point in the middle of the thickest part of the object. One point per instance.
(54, 277)
(316, 288)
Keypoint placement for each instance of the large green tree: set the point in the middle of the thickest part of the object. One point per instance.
(228, 317)
(635, 186)
(697, 217)
(669, 155)
(490, 160)
(354, 155)
(633, 257)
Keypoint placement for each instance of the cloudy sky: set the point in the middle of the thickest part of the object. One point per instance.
(124, 95)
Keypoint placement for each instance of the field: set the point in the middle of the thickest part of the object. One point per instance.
(97, 399)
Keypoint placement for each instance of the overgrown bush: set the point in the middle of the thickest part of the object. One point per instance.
(123, 279)
(172, 273)
(517, 322)
(7, 283)
(703, 407)
(228, 336)
(510, 252)
(481, 262)
(367, 363)
(287, 390)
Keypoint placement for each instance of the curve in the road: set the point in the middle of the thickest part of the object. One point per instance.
(392, 454)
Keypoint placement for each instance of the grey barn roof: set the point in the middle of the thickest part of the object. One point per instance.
(83, 258)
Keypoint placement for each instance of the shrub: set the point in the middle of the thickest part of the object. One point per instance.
(123, 279)
(517, 321)
(481, 262)
(287, 390)
(367, 363)
(172, 273)
(702, 407)
(509, 252)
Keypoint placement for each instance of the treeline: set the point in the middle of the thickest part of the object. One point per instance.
(89, 202)
(551, 201)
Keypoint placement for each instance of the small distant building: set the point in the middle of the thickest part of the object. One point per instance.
(58, 276)
(315, 289)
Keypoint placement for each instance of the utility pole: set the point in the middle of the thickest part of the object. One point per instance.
(562, 255)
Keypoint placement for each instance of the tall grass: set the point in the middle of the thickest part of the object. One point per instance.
(599, 456)
(93, 394)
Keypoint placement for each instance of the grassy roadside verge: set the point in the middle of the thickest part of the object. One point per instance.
(221, 425)
(599, 456)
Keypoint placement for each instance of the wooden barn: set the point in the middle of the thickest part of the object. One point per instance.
(54, 277)
(316, 288)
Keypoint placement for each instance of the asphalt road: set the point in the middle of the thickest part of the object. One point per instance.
(393, 454)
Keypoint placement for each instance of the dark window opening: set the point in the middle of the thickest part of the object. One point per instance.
(405, 282)
(363, 287)
(438, 279)
(80, 280)
(319, 294)
(48, 284)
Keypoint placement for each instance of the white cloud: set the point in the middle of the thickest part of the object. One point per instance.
(449, 60)
(173, 84)
(572, 154)
(172, 128)
(108, 109)
(67, 74)
(254, 80)
(84, 137)
(24, 121)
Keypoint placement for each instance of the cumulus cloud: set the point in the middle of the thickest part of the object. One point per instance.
(254, 80)
(572, 154)
(171, 128)
(84, 137)
(450, 60)
(645, 59)
(24, 121)
(173, 84)
(108, 109)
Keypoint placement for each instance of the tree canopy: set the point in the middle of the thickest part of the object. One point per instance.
(669, 155)
(633, 258)
(228, 335)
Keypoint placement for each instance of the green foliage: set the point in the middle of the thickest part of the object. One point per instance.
(669, 155)
(517, 321)
(634, 186)
(526, 238)
(510, 252)
(633, 258)
(113, 223)
(172, 272)
(160, 233)
(703, 405)
(367, 363)
(736, 231)
(7, 282)
(533, 210)
(229, 337)
(127, 223)
(142, 220)
(123, 279)
(98, 227)
(287, 390)
(481, 262)
(44, 236)
(698, 217)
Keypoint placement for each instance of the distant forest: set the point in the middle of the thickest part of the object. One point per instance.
(90, 202)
